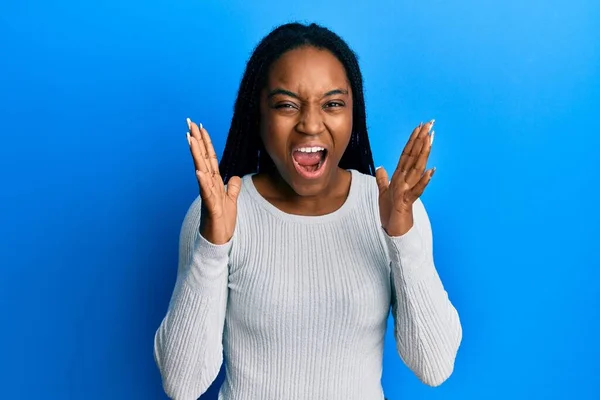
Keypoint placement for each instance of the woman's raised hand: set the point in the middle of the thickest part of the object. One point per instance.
(219, 202)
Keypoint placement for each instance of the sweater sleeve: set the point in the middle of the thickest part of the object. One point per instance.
(427, 330)
(188, 343)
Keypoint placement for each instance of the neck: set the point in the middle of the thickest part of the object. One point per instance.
(277, 191)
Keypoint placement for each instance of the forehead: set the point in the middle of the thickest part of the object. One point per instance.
(309, 69)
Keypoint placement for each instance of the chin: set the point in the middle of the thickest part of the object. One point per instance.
(307, 189)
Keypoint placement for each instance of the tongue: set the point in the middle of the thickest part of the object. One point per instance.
(308, 159)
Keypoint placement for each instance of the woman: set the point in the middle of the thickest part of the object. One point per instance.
(291, 264)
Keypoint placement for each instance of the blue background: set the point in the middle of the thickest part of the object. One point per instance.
(96, 178)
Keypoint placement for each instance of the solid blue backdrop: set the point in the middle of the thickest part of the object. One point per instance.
(96, 178)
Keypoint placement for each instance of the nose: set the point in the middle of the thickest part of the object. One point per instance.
(311, 121)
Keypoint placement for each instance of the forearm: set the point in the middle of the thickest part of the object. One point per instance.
(188, 342)
(427, 326)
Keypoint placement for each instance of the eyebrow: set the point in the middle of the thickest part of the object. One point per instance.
(284, 92)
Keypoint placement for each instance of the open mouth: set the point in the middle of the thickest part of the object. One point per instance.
(309, 161)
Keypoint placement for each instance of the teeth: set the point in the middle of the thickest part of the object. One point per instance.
(310, 149)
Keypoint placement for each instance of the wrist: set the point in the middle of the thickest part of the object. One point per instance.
(399, 225)
(212, 234)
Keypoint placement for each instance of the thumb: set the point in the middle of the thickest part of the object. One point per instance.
(381, 177)
(233, 187)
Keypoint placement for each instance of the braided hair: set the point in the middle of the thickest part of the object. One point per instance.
(244, 151)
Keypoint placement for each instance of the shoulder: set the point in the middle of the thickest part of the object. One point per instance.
(366, 198)
(189, 232)
(191, 221)
(367, 190)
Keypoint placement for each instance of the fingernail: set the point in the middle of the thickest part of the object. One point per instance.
(431, 122)
(377, 168)
(432, 134)
(201, 125)
(432, 171)
(188, 138)
(189, 122)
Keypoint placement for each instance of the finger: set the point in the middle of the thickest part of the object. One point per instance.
(417, 190)
(233, 187)
(192, 138)
(207, 191)
(196, 134)
(213, 160)
(420, 164)
(417, 147)
(190, 124)
(420, 140)
(413, 148)
(407, 149)
(381, 177)
(199, 162)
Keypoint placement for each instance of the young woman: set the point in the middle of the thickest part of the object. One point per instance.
(293, 253)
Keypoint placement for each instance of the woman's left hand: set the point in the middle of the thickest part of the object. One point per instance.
(396, 197)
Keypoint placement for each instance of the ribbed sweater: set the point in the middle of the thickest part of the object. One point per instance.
(297, 306)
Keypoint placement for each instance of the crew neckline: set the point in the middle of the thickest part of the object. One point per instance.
(248, 183)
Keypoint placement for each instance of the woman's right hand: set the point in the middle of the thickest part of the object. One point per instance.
(219, 205)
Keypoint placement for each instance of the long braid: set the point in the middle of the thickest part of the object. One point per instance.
(244, 152)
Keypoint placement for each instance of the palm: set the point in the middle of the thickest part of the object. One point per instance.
(393, 200)
(408, 182)
(219, 203)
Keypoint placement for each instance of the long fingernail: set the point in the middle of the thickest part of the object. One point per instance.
(377, 168)
(432, 134)
(431, 122)
(201, 127)
(188, 138)
(189, 122)
(432, 171)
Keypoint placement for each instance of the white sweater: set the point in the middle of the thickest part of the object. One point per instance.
(298, 305)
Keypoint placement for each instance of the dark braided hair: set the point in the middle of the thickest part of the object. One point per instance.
(244, 151)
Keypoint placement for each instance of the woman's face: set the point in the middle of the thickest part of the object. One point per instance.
(306, 117)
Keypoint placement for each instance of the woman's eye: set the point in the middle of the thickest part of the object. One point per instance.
(284, 106)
